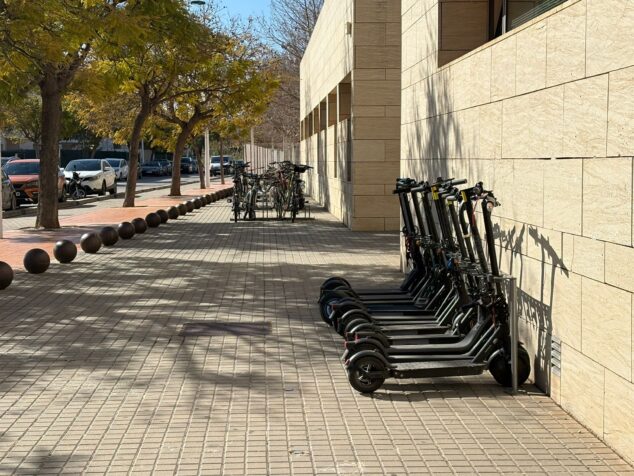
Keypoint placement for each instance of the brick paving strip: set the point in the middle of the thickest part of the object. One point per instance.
(95, 376)
(17, 242)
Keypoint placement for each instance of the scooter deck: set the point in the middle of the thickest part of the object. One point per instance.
(452, 368)
(424, 339)
(414, 329)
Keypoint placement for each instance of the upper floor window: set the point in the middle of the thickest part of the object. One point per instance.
(505, 15)
(465, 26)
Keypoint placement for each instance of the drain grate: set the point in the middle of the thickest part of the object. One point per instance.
(555, 355)
(195, 329)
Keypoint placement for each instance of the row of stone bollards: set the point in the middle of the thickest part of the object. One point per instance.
(37, 261)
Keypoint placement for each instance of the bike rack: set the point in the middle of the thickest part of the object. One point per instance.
(511, 282)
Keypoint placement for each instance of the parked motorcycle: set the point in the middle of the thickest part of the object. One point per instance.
(76, 191)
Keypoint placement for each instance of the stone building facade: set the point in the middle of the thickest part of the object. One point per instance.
(536, 99)
(350, 105)
(542, 111)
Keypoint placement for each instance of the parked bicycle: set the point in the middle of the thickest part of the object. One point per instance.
(279, 188)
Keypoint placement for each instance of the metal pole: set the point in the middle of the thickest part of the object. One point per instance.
(252, 149)
(513, 317)
(207, 162)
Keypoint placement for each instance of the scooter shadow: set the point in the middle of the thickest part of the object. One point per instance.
(448, 389)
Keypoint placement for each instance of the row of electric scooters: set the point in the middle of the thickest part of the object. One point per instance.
(449, 316)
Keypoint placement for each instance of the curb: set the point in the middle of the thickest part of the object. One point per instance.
(21, 212)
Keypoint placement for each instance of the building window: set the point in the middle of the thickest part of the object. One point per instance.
(506, 15)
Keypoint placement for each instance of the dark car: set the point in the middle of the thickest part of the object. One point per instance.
(215, 164)
(9, 197)
(189, 165)
(167, 166)
(153, 168)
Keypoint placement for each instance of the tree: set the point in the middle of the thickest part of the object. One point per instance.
(145, 74)
(45, 43)
(73, 129)
(289, 29)
(230, 80)
(20, 119)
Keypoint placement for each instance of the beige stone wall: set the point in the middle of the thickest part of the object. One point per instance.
(328, 58)
(356, 164)
(544, 115)
(376, 114)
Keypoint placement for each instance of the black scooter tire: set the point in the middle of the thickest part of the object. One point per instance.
(336, 295)
(342, 324)
(355, 322)
(500, 368)
(362, 383)
(336, 315)
(333, 282)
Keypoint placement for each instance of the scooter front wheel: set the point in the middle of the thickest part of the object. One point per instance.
(500, 368)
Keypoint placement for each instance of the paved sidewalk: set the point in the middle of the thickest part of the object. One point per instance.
(95, 378)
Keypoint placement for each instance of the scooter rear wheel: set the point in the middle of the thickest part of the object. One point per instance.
(358, 374)
(334, 282)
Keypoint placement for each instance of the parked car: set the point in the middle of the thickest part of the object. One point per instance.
(215, 164)
(25, 178)
(120, 167)
(153, 168)
(167, 166)
(9, 197)
(96, 175)
(189, 165)
(4, 161)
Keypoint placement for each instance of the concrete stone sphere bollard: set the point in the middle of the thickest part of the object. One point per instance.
(190, 205)
(153, 220)
(140, 226)
(36, 261)
(182, 209)
(90, 243)
(163, 215)
(126, 230)
(197, 203)
(65, 251)
(6, 275)
(202, 200)
(173, 213)
(109, 236)
(208, 198)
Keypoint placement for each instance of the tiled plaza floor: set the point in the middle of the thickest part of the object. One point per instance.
(95, 378)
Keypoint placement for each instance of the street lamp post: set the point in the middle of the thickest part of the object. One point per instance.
(207, 163)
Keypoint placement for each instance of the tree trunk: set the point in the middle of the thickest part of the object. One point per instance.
(222, 162)
(47, 209)
(181, 142)
(133, 160)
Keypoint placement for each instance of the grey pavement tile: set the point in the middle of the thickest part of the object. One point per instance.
(96, 379)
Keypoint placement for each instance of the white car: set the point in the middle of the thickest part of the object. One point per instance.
(96, 175)
(120, 167)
